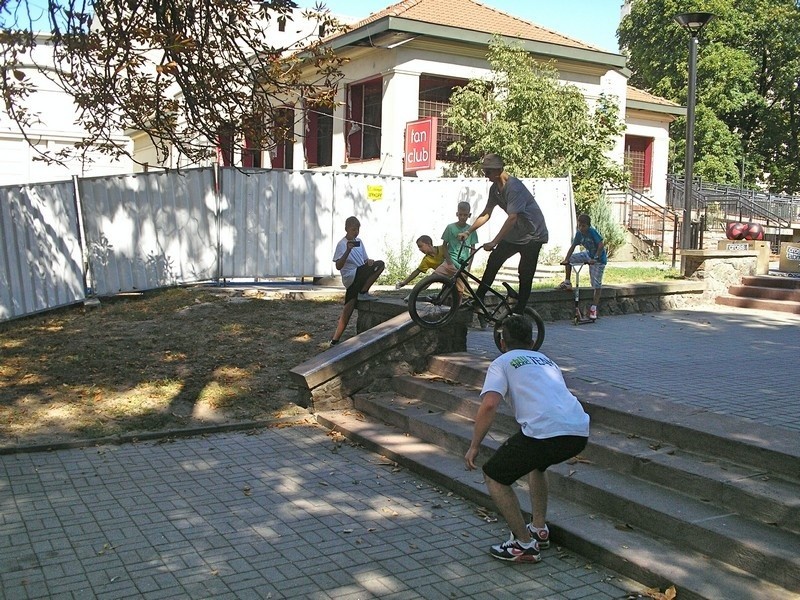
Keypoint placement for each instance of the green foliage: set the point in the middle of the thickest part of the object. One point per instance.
(399, 263)
(748, 100)
(182, 72)
(602, 220)
(551, 256)
(540, 126)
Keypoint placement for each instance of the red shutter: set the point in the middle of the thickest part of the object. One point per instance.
(355, 123)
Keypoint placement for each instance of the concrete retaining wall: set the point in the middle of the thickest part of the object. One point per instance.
(390, 344)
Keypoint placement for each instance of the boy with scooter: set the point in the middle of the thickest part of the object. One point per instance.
(594, 254)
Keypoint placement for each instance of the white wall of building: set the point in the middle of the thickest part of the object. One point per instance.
(55, 130)
(400, 70)
(645, 126)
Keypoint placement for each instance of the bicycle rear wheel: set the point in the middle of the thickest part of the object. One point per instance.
(434, 301)
(537, 326)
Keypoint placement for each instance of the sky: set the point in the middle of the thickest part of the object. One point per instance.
(591, 21)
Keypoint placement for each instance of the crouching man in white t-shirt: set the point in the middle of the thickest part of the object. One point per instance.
(553, 428)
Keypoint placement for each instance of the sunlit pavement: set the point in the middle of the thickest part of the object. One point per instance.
(294, 513)
(739, 362)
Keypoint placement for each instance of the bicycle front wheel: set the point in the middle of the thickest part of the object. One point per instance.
(434, 301)
(537, 324)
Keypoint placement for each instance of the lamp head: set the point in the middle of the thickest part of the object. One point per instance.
(693, 22)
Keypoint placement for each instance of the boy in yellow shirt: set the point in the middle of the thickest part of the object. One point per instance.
(434, 256)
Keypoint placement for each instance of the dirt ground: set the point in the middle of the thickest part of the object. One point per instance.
(171, 359)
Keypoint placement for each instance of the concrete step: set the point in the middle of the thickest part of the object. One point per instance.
(786, 306)
(669, 512)
(543, 273)
(765, 293)
(789, 283)
(614, 543)
(682, 426)
(747, 490)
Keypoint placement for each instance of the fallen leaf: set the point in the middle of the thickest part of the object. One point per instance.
(105, 548)
(389, 512)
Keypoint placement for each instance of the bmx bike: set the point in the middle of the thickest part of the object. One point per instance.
(435, 300)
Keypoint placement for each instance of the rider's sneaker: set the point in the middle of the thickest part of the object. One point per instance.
(516, 551)
(542, 536)
(366, 297)
(564, 285)
(592, 313)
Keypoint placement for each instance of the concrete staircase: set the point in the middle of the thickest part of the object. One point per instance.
(664, 493)
(766, 292)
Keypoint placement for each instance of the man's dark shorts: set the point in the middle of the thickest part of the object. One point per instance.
(362, 274)
(520, 455)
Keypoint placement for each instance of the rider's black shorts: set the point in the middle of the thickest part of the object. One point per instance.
(520, 455)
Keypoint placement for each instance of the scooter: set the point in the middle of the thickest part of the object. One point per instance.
(580, 318)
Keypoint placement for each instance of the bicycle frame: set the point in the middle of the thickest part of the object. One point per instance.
(435, 299)
(495, 315)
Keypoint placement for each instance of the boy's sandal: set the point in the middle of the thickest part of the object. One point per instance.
(564, 285)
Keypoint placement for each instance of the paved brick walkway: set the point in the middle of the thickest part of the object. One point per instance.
(280, 513)
(289, 513)
(733, 361)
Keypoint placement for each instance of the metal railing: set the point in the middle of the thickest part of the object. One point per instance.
(656, 225)
(723, 203)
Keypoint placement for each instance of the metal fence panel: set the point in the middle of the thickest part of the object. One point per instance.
(376, 201)
(274, 223)
(429, 205)
(149, 230)
(40, 252)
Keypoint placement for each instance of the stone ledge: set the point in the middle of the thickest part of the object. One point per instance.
(393, 345)
(389, 343)
(718, 269)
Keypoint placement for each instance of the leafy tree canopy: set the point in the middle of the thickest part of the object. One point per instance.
(748, 95)
(181, 71)
(540, 126)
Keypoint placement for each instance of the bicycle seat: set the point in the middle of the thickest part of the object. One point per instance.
(512, 293)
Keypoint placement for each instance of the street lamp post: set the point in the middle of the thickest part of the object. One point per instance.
(693, 23)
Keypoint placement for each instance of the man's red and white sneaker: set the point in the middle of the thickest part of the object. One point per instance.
(593, 313)
(542, 536)
(515, 551)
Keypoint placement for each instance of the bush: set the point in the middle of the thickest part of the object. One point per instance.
(552, 256)
(398, 263)
(602, 220)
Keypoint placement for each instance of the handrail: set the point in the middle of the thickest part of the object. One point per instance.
(704, 194)
(648, 220)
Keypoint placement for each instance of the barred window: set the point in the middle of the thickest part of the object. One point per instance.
(638, 161)
(434, 99)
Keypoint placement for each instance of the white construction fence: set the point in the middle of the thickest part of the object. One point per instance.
(65, 241)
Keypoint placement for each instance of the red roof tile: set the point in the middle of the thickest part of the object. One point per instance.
(474, 16)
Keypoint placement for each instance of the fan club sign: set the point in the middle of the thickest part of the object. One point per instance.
(420, 147)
